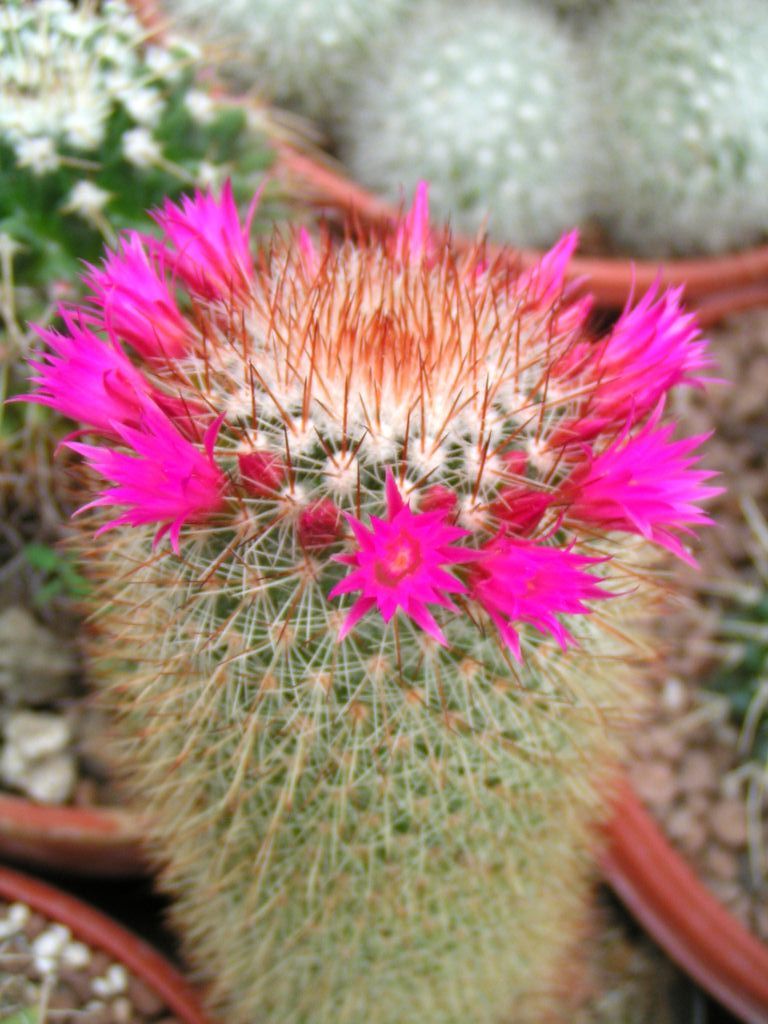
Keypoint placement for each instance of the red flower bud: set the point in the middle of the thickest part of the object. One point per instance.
(262, 473)
(319, 525)
(438, 499)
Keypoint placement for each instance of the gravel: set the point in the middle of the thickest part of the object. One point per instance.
(46, 969)
(687, 764)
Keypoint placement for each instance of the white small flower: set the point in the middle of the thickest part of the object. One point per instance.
(140, 149)
(209, 175)
(118, 82)
(54, 8)
(184, 48)
(39, 154)
(162, 63)
(84, 126)
(87, 199)
(112, 51)
(144, 105)
(199, 105)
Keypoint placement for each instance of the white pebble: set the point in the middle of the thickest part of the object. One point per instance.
(112, 983)
(19, 914)
(51, 941)
(674, 695)
(122, 1011)
(76, 954)
(37, 734)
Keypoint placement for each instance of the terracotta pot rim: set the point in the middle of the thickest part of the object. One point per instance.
(666, 896)
(101, 932)
(94, 841)
(720, 284)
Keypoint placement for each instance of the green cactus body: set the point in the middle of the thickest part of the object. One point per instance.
(368, 698)
(681, 96)
(489, 106)
(347, 840)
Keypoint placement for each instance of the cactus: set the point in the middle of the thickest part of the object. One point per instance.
(491, 107)
(96, 126)
(307, 53)
(681, 95)
(371, 570)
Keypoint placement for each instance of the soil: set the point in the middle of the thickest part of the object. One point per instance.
(692, 764)
(47, 976)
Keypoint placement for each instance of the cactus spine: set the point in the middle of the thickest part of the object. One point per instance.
(399, 484)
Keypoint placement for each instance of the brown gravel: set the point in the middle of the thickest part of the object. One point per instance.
(43, 967)
(703, 809)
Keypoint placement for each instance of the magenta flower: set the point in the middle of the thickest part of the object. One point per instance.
(516, 581)
(543, 286)
(136, 303)
(164, 479)
(399, 565)
(210, 249)
(86, 378)
(653, 347)
(413, 239)
(643, 484)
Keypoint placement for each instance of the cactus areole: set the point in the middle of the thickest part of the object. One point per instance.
(371, 522)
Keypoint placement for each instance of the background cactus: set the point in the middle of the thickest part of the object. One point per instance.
(681, 96)
(308, 53)
(365, 498)
(491, 108)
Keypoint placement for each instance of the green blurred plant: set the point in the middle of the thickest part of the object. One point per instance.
(97, 124)
(62, 578)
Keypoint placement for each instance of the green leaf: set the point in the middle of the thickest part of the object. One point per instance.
(27, 1015)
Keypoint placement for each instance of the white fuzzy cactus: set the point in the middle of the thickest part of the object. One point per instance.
(681, 95)
(491, 108)
(303, 51)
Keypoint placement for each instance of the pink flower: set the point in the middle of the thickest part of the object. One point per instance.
(643, 484)
(653, 347)
(517, 581)
(399, 565)
(210, 246)
(86, 378)
(309, 255)
(164, 479)
(135, 302)
(413, 239)
(543, 286)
